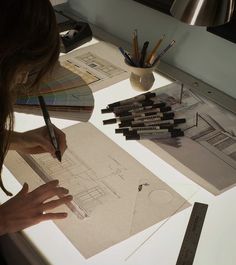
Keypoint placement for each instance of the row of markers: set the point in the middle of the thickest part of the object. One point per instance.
(144, 117)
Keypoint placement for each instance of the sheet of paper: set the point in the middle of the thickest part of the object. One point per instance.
(207, 153)
(115, 197)
(92, 66)
(99, 65)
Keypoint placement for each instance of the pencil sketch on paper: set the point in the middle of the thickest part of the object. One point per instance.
(88, 189)
(114, 197)
(94, 64)
(209, 146)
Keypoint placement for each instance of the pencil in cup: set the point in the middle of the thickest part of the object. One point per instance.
(151, 57)
(143, 54)
(126, 56)
(135, 52)
(163, 53)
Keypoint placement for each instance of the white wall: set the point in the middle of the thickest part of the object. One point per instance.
(198, 52)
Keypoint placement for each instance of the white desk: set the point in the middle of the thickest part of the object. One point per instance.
(159, 244)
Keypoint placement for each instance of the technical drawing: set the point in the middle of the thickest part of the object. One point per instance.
(114, 196)
(209, 137)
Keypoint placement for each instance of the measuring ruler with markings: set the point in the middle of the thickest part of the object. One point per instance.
(192, 234)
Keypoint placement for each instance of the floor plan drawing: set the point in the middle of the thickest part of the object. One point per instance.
(114, 196)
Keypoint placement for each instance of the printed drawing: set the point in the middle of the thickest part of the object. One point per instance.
(207, 153)
(94, 64)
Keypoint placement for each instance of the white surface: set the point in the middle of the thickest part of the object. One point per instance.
(217, 244)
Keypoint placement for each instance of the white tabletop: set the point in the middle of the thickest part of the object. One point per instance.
(159, 244)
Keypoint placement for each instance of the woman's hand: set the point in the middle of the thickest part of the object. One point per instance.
(37, 141)
(29, 208)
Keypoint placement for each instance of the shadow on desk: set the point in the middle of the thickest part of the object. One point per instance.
(15, 249)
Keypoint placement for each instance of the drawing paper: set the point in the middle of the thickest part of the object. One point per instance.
(207, 152)
(114, 196)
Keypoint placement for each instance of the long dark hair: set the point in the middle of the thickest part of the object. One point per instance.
(28, 37)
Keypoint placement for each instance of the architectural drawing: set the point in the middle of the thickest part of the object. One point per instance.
(94, 64)
(207, 153)
(114, 196)
(88, 189)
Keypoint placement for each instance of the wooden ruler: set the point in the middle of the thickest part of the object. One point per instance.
(192, 234)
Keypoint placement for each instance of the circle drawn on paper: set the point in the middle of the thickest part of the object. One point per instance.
(160, 196)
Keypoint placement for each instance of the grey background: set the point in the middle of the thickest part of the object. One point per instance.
(204, 55)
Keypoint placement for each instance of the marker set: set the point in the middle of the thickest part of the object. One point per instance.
(144, 117)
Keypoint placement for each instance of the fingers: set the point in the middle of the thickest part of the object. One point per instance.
(41, 144)
(55, 203)
(23, 191)
(38, 141)
(48, 191)
(47, 146)
(43, 188)
(44, 192)
(52, 216)
(48, 194)
(28, 208)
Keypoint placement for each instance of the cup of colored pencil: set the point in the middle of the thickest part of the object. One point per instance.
(141, 64)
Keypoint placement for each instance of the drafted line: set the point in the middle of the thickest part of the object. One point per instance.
(154, 232)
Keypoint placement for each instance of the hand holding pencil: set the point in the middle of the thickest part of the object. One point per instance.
(52, 131)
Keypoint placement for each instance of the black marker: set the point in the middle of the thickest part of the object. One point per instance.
(151, 123)
(132, 106)
(130, 129)
(50, 128)
(139, 105)
(154, 109)
(120, 109)
(136, 136)
(149, 116)
(150, 131)
(139, 119)
(144, 105)
(145, 110)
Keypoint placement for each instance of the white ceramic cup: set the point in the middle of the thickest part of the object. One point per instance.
(141, 79)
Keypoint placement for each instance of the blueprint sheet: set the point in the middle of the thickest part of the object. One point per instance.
(114, 196)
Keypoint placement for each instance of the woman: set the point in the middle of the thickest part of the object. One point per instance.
(29, 43)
